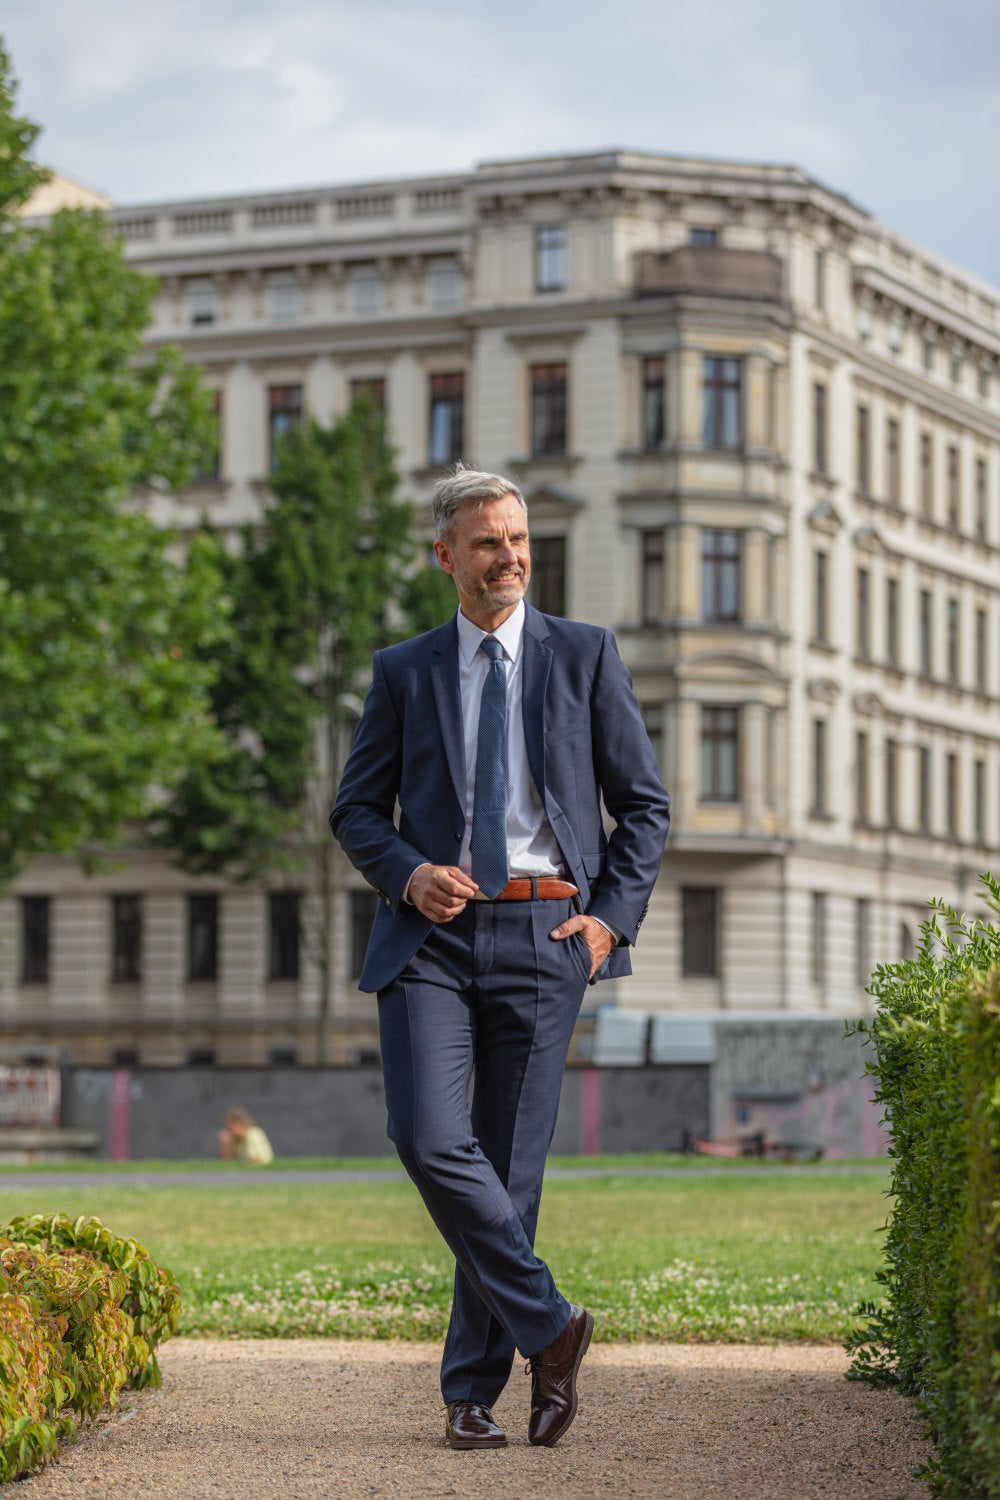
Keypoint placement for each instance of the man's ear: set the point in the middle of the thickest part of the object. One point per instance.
(443, 554)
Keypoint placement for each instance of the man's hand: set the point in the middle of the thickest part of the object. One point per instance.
(597, 938)
(440, 892)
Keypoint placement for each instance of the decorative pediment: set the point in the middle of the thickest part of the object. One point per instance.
(825, 517)
(727, 664)
(868, 705)
(869, 539)
(823, 689)
(548, 503)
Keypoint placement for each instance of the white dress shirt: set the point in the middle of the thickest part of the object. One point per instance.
(531, 845)
(532, 848)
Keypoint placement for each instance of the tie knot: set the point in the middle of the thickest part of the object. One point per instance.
(492, 647)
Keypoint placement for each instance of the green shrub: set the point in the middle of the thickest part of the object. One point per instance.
(936, 1040)
(80, 1313)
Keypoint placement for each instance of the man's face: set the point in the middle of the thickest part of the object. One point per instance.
(489, 558)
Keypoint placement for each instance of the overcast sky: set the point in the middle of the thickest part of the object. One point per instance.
(894, 102)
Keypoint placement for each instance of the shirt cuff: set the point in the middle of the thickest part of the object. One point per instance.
(606, 925)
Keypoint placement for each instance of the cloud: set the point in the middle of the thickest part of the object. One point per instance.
(895, 102)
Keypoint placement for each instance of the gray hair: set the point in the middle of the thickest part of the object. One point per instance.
(467, 486)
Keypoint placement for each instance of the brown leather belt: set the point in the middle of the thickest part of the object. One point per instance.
(542, 888)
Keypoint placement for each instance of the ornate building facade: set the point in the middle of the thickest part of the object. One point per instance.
(759, 434)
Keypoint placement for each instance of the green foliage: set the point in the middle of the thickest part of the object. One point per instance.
(80, 1313)
(103, 690)
(936, 1039)
(322, 581)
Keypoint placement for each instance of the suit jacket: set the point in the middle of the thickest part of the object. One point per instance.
(584, 738)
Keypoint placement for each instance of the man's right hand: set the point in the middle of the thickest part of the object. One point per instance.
(440, 892)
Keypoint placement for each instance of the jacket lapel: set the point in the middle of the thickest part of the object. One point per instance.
(537, 665)
(448, 700)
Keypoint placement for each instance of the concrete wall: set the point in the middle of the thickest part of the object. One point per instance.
(175, 1112)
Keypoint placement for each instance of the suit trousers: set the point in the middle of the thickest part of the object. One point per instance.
(489, 1000)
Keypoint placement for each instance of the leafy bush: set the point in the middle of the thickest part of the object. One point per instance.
(936, 1038)
(80, 1313)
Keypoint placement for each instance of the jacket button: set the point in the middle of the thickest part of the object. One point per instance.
(458, 838)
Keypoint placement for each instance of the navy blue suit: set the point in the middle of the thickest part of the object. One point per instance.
(489, 992)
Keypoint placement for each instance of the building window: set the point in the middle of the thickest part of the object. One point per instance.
(364, 905)
(700, 931)
(905, 941)
(981, 661)
(720, 575)
(550, 258)
(819, 767)
(211, 470)
(720, 754)
(370, 388)
(284, 414)
(862, 940)
(984, 383)
(821, 596)
(953, 639)
(652, 718)
(284, 297)
(926, 476)
(126, 939)
(981, 499)
(203, 937)
(819, 279)
(956, 369)
(203, 302)
(951, 794)
(924, 788)
(283, 910)
(954, 488)
(548, 574)
(444, 282)
(862, 809)
(652, 590)
(548, 410)
(863, 613)
(979, 800)
(892, 460)
(819, 428)
(654, 402)
(721, 410)
(35, 915)
(366, 290)
(892, 621)
(925, 635)
(929, 349)
(447, 418)
(892, 783)
(864, 453)
(702, 236)
(818, 944)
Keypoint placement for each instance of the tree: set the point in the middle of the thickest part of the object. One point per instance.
(103, 686)
(323, 580)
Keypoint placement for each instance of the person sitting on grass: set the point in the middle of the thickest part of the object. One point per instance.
(241, 1140)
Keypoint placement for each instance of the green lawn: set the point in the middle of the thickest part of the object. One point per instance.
(764, 1258)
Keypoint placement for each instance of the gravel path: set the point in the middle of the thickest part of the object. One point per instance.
(285, 1419)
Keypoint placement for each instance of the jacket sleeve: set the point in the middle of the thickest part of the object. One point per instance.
(629, 781)
(363, 816)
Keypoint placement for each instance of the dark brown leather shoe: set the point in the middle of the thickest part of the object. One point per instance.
(553, 1380)
(468, 1424)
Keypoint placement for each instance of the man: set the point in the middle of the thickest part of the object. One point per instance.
(496, 734)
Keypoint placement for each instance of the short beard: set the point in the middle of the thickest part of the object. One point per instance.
(497, 595)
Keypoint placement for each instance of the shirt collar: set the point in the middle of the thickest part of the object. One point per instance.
(509, 634)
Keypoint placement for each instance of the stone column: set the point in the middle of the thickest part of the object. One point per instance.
(753, 770)
(164, 952)
(688, 365)
(80, 963)
(755, 601)
(755, 401)
(242, 950)
(688, 563)
(688, 763)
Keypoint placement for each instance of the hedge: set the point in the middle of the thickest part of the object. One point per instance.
(81, 1312)
(936, 1334)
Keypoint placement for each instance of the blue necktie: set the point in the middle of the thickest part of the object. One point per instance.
(489, 803)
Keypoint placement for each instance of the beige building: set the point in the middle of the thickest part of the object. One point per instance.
(760, 437)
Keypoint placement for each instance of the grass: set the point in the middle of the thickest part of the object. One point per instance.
(85, 1166)
(710, 1258)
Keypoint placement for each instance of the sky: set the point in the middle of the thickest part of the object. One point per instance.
(894, 102)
